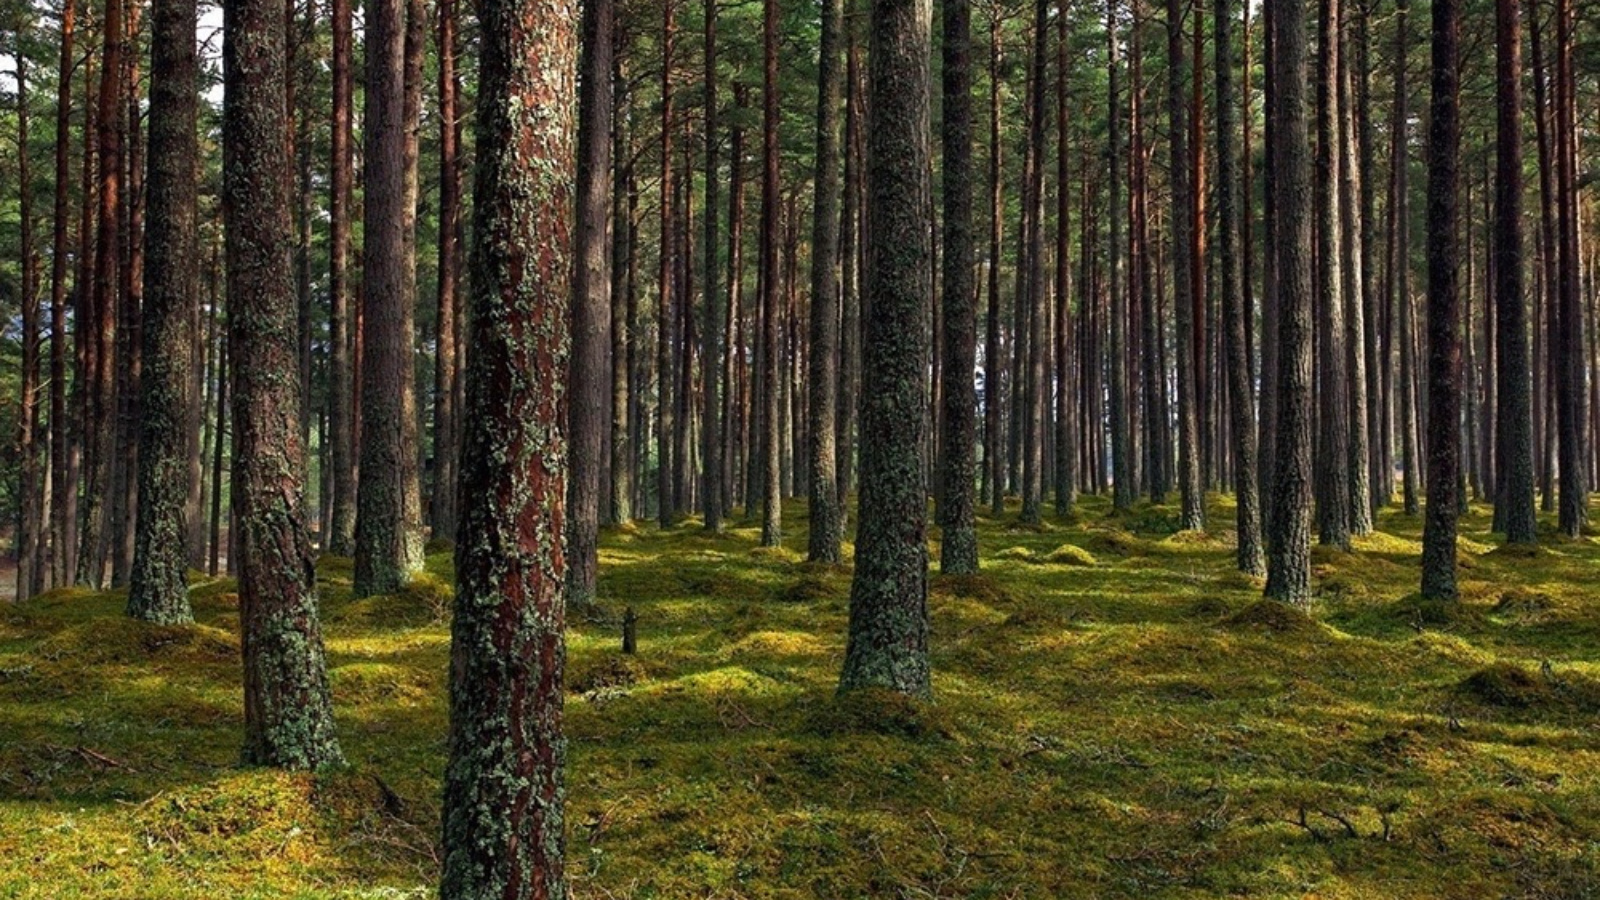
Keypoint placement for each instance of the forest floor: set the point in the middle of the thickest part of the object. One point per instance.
(1115, 715)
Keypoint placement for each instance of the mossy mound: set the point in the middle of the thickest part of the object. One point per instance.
(1016, 554)
(1209, 609)
(1507, 685)
(1273, 617)
(1518, 552)
(1071, 555)
(1115, 542)
(120, 641)
(1419, 612)
(1527, 607)
(880, 712)
(978, 587)
(817, 587)
(258, 814)
(609, 673)
(425, 599)
(378, 682)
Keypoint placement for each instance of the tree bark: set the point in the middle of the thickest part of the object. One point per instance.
(591, 305)
(771, 431)
(447, 362)
(888, 637)
(823, 366)
(1571, 393)
(387, 547)
(341, 371)
(31, 476)
(159, 590)
(1514, 415)
(1444, 313)
(959, 547)
(503, 794)
(288, 717)
(1185, 279)
(1289, 543)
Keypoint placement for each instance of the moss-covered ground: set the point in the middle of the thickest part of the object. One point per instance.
(1115, 715)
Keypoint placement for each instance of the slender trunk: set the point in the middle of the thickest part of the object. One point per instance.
(1571, 392)
(1401, 162)
(1514, 414)
(447, 318)
(1333, 382)
(665, 513)
(31, 477)
(1186, 266)
(771, 432)
(888, 638)
(1066, 453)
(159, 589)
(1124, 486)
(341, 371)
(959, 548)
(993, 372)
(1444, 338)
(63, 449)
(288, 717)
(591, 305)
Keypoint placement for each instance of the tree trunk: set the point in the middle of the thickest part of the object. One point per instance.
(1444, 314)
(665, 513)
(1185, 278)
(1514, 413)
(387, 550)
(1332, 382)
(159, 590)
(31, 478)
(591, 305)
(1066, 452)
(447, 364)
(63, 447)
(620, 508)
(771, 431)
(1242, 424)
(959, 548)
(888, 638)
(1402, 265)
(1571, 394)
(341, 369)
(1289, 542)
(1123, 485)
(993, 372)
(288, 717)
(821, 445)
(503, 795)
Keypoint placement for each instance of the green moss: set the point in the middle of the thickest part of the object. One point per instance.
(1142, 727)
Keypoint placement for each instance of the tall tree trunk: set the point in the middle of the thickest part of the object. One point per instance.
(1034, 345)
(1123, 484)
(1185, 277)
(771, 451)
(99, 326)
(1401, 164)
(1352, 246)
(31, 477)
(1444, 313)
(1514, 416)
(341, 369)
(503, 797)
(620, 508)
(712, 311)
(1571, 395)
(159, 589)
(387, 550)
(447, 318)
(591, 305)
(63, 447)
(1333, 382)
(821, 446)
(665, 513)
(1289, 541)
(124, 463)
(1066, 451)
(288, 717)
(851, 222)
(959, 548)
(888, 638)
(993, 372)
(1242, 424)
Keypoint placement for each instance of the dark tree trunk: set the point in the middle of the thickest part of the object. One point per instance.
(1242, 424)
(31, 476)
(1185, 269)
(124, 463)
(1444, 313)
(1514, 415)
(1332, 379)
(387, 549)
(959, 548)
(63, 448)
(503, 794)
(1571, 392)
(288, 717)
(851, 223)
(888, 642)
(591, 306)
(712, 325)
(159, 588)
(619, 509)
(100, 325)
(1034, 344)
(1402, 265)
(665, 513)
(993, 371)
(341, 368)
(1123, 484)
(821, 445)
(1289, 542)
(1352, 246)
(447, 363)
(1066, 451)
(771, 430)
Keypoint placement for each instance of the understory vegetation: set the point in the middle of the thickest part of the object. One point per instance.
(1116, 714)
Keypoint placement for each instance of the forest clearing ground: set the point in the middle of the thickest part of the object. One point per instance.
(1116, 715)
